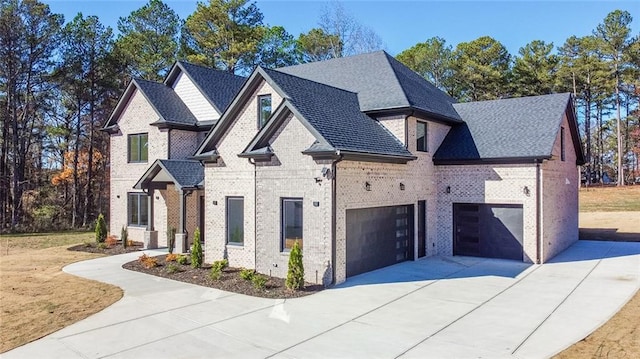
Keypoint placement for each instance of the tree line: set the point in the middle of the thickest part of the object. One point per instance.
(60, 79)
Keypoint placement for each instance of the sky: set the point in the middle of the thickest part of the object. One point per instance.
(402, 24)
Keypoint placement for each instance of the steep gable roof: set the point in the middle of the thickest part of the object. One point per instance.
(182, 173)
(381, 82)
(219, 87)
(331, 114)
(165, 102)
(522, 128)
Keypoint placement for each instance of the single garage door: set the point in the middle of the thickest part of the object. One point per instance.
(378, 237)
(488, 230)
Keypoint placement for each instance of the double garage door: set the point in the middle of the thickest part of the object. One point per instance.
(488, 230)
(378, 237)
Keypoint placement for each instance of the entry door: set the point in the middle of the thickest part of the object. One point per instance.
(422, 228)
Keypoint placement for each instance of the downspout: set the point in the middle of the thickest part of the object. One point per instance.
(169, 144)
(255, 214)
(538, 214)
(333, 215)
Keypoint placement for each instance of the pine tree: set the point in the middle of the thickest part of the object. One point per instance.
(295, 274)
(196, 252)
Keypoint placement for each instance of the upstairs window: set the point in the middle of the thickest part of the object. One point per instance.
(138, 147)
(562, 145)
(264, 110)
(421, 137)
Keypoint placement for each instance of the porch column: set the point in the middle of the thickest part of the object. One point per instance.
(181, 236)
(150, 235)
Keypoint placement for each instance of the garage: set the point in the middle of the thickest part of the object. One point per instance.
(378, 237)
(488, 230)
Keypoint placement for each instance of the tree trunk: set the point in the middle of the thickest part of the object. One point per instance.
(76, 181)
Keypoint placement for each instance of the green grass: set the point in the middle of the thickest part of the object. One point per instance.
(610, 199)
(44, 240)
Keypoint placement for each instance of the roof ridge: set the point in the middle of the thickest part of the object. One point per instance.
(308, 80)
(395, 75)
(516, 98)
(223, 72)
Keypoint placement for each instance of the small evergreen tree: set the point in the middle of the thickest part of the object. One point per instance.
(124, 236)
(295, 273)
(101, 229)
(196, 252)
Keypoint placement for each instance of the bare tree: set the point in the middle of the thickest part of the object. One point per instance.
(350, 36)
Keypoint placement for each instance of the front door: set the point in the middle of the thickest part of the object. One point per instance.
(201, 217)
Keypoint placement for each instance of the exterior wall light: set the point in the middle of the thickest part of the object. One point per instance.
(448, 190)
(401, 186)
(526, 191)
(367, 186)
(215, 203)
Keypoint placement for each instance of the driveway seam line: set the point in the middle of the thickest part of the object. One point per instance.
(192, 329)
(560, 304)
(469, 312)
(355, 319)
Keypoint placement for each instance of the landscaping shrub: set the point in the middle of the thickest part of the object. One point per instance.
(111, 241)
(172, 268)
(295, 273)
(196, 252)
(217, 267)
(148, 262)
(101, 246)
(124, 236)
(247, 274)
(259, 281)
(171, 238)
(182, 259)
(171, 257)
(101, 229)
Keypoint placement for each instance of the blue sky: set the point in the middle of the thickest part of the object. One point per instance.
(402, 24)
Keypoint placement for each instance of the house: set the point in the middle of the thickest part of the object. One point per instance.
(360, 160)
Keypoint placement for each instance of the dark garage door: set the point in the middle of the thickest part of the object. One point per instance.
(488, 230)
(378, 237)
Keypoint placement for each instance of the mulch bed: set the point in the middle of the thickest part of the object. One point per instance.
(230, 280)
(109, 250)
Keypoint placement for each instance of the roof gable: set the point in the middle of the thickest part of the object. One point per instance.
(165, 102)
(515, 129)
(218, 87)
(182, 173)
(381, 83)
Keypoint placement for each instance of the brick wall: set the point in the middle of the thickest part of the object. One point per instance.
(234, 176)
(498, 184)
(560, 195)
(135, 118)
(290, 174)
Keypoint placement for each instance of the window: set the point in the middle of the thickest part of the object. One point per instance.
(137, 209)
(421, 137)
(235, 220)
(264, 110)
(291, 222)
(562, 146)
(138, 147)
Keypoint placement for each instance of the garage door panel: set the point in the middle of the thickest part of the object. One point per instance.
(378, 237)
(488, 230)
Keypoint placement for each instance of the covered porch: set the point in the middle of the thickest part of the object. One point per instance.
(181, 184)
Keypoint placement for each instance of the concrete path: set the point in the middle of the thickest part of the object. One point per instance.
(437, 307)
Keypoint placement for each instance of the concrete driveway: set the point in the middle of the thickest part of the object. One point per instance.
(437, 307)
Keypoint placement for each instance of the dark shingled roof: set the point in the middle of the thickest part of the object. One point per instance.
(220, 87)
(336, 115)
(166, 102)
(524, 127)
(381, 82)
(187, 173)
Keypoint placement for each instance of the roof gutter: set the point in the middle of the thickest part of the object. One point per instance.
(496, 160)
